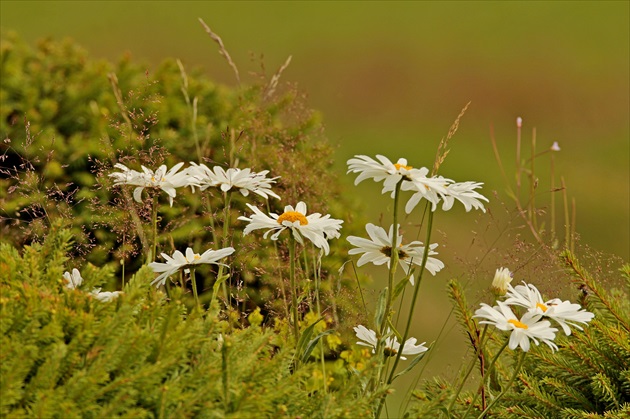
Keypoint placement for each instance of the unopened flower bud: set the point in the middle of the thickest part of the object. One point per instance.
(502, 278)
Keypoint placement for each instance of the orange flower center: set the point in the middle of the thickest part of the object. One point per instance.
(541, 306)
(518, 324)
(400, 166)
(293, 216)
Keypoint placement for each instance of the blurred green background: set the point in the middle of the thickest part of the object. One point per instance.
(390, 78)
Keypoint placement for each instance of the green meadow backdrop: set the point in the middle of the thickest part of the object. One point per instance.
(390, 77)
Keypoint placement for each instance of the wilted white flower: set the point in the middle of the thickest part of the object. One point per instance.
(501, 281)
(162, 179)
(244, 180)
(178, 261)
(74, 280)
(104, 296)
(368, 338)
(555, 146)
(563, 312)
(522, 330)
(315, 227)
(378, 250)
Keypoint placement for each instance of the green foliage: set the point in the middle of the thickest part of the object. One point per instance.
(66, 354)
(67, 119)
(587, 378)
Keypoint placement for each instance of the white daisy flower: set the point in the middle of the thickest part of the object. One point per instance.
(74, 280)
(168, 181)
(378, 250)
(433, 189)
(386, 171)
(563, 312)
(465, 193)
(368, 338)
(430, 188)
(244, 180)
(180, 261)
(314, 227)
(501, 281)
(522, 330)
(105, 296)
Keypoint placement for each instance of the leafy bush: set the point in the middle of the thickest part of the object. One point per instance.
(66, 354)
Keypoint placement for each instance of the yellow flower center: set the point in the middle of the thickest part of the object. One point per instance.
(541, 306)
(293, 216)
(518, 324)
(400, 166)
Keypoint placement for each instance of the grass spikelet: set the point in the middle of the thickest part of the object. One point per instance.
(216, 38)
(442, 151)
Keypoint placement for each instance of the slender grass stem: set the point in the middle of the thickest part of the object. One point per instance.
(469, 370)
(485, 377)
(294, 308)
(517, 369)
(318, 281)
(414, 299)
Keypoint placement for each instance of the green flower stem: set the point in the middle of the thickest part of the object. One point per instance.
(517, 369)
(393, 263)
(226, 224)
(153, 254)
(294, 308)
(416, 290)
(414, 299)
(485, 377)
(318, 279)
(193, 284)
(282, 287)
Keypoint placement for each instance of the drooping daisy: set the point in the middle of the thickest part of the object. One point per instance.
(564, 313)
(378, 250)
(501, 281)
(386, 171)
(105, 296)
(528, 327)
(162, 179)
(244, 180)
(315, 227)
(180, 261)
(74, 280)
(368, 338)
(447, 191)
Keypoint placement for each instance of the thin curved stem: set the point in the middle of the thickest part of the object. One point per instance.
(469, 370)
(485, 377)
(294, 308)
(414, 299)
(517, 369)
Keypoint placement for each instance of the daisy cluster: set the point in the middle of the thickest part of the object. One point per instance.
(315, 227)
(196, 175)
(535, 323)
(434, 189)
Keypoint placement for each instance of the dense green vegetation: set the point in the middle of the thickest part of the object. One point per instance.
(161, 352)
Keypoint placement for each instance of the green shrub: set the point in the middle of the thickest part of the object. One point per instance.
(66, 354)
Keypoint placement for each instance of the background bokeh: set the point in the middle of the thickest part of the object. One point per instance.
(390, 78)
